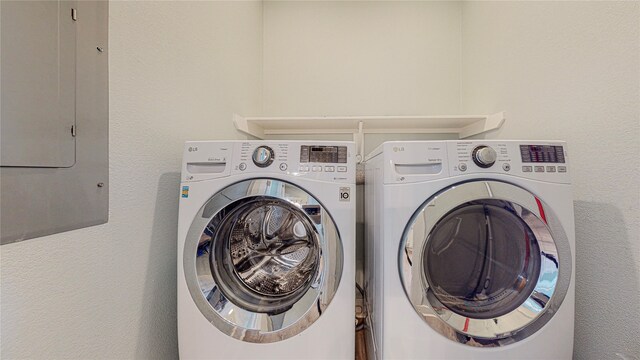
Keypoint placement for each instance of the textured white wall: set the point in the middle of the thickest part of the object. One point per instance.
(571, 71)
(178, 70)
(361, 58)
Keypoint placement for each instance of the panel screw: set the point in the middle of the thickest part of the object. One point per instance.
(100, 184)
(100, 49)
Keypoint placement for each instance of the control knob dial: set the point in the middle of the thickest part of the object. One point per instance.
(484, 156)
(263, 156)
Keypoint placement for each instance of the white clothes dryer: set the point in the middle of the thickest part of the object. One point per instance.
(266, 250)
(470, 250)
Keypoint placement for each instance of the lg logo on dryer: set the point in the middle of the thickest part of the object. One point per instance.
(345, 194)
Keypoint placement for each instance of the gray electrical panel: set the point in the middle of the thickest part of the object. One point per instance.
(54, 117)
(38, 84)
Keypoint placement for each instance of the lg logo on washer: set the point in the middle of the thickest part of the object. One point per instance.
(345, 194)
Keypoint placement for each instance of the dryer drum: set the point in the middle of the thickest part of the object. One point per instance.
(265, 254)
(482, 260)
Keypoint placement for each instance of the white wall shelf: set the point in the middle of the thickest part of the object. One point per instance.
(462, 125)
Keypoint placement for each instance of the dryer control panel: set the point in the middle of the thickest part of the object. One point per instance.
(322, 160)
(539, 160)
(414, 161)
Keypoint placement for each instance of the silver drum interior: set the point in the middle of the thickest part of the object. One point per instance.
(267, 255)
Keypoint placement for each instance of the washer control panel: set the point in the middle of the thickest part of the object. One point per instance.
(323, 160)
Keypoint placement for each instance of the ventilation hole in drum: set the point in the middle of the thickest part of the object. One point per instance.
(238, 247)
(236, 255)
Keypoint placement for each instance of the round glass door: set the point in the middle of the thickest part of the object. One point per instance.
(480, 265)
(261, 260)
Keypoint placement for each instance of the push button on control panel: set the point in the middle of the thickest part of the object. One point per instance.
(539, 168)
(462, 167)
(562, 169)
(342, 169)
(242, 166)
(527, 168)
(304, 168)
(329, 168)
(283, 166)
(316, 168)
(506, 166)
(551, 169)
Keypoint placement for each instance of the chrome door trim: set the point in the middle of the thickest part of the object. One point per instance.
(234, 320)
(530, 316)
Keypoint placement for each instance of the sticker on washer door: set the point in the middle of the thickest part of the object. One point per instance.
(345, 194)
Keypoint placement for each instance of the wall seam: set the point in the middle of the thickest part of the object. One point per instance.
(461, 61)
(262, 85)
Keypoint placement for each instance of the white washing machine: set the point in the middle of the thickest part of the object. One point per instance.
(470, 250)
(266, 250)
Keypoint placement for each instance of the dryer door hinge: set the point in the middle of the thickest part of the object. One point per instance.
(73, 130)
(74, 14)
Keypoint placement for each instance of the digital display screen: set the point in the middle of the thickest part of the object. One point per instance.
(542, 154)
(323, 154)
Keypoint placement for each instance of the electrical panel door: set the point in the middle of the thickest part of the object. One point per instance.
(38, 66)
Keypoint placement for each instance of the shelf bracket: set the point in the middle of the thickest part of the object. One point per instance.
(490, 122)
(241, 123)
(358, 138)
